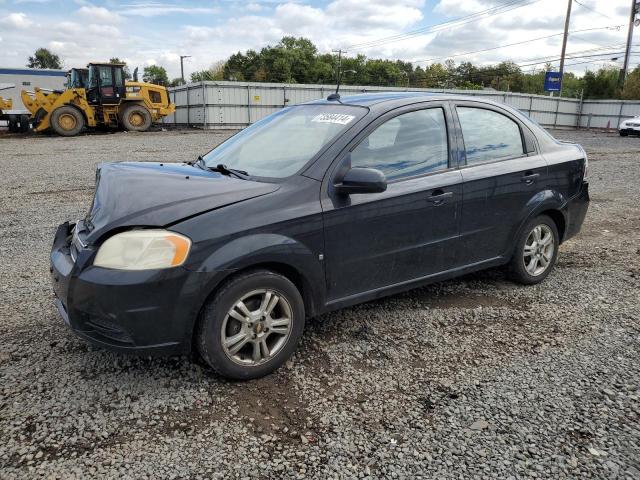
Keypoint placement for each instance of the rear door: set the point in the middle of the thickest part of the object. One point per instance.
(409, 231)
(502, 175)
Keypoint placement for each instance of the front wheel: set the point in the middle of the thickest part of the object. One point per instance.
(136, 118)
(67, 121)
(623, 134)
(251, 326)
(536, 251)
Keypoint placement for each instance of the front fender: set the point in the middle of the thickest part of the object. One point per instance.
(265, 249)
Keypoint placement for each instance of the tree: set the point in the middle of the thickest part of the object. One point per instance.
(43, 58)
(213, 73)
(155, 74)
(125, 69)
(631, 89)
(601, 84)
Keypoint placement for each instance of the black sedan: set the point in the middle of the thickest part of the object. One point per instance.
(315, 207)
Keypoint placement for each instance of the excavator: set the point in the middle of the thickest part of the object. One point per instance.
(97, 96)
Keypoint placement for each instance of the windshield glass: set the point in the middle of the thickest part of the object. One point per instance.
(282, 143)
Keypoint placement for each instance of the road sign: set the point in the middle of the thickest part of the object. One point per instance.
(552, 82)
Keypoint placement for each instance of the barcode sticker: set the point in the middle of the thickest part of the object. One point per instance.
(339, 118)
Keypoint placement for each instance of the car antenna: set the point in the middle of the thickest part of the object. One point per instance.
(336, 95)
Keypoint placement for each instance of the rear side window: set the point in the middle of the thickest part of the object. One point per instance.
(410, 144)
(489, 135)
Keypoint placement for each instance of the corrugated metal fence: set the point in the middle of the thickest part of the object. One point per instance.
(238, 104)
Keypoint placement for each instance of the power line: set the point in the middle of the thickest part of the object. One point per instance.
(508, 45)
(496, 10)
(593, 10)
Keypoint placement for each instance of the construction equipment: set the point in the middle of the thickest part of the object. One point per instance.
(18, 120)
(97, 97)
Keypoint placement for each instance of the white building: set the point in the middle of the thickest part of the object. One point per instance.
(27, 79)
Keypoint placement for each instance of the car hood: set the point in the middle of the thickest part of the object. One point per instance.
(159, 194)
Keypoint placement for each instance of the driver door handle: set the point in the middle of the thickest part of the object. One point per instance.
(438, 197)
(529, 177)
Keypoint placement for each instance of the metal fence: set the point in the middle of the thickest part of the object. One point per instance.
(238, 104)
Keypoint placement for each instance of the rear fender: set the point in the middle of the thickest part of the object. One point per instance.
(540, 202)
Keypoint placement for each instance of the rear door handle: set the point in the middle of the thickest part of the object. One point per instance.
(529, 177)
(438, 197)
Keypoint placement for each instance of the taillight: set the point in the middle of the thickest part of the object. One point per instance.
(586, 162)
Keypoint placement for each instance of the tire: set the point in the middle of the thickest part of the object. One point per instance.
(13, 124)
(524, 269)
(624, 134)
(135, 118)
(24, 123)
(247, 333)
(67, 121)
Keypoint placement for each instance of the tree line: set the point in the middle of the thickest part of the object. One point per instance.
(297, 60)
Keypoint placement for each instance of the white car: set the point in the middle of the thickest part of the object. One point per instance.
(630, 126)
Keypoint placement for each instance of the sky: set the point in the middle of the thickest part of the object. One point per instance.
(147, 32)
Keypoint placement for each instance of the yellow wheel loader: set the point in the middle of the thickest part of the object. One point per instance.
(18, 121)
(97, 97)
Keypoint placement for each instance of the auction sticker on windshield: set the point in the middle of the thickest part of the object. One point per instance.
(340, 118)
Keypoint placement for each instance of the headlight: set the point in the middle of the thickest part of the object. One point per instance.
(143, 250)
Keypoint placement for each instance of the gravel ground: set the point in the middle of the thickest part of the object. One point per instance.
(471, 378)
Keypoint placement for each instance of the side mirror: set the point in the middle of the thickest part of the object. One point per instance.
(362, 180)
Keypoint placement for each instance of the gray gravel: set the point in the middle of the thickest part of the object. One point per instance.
(472, 378)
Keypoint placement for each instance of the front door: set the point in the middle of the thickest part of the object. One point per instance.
(377, 240)
(502, 177)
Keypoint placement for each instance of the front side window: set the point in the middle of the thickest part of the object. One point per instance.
(488, 135)
(410, 144)
(282, 143)
(106, 79)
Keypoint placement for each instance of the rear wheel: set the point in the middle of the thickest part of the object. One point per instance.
(536, 251)
(136, 118)
(24, 123)
(13, 124)
(252, 325)
(67, 121)
(623, 134)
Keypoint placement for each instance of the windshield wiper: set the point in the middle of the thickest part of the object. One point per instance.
(198, 162)
(223, 169)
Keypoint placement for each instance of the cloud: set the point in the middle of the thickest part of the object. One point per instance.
(98, 14)
(153, 9)
(253, 7)
(16, 20)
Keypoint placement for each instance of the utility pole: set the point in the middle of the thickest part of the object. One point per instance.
(564, 43)
(632, 18)
(182, 57)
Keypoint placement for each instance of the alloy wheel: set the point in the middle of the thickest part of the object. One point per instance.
(256, 327)
(538, 250)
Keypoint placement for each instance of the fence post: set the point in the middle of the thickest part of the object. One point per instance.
(579, 115)
(530, 104)
(620, 114)
(589, 121)
(555, 120)
(188, 108)
(284, 96)
(248, 105)
(204, 106)
(175, 114)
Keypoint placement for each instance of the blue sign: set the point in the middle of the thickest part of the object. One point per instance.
(552, 82)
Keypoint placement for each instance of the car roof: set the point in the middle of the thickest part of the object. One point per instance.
(399, 98)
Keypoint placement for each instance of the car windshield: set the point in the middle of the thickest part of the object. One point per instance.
(282, 143)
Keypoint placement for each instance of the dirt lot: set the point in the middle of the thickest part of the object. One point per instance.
(470, 378)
